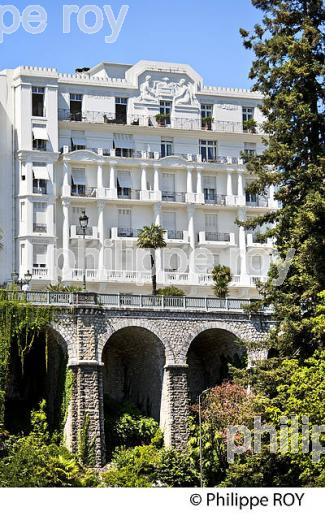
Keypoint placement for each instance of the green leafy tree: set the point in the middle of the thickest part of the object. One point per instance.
(152, 238)
(221, 279)
(287, 70)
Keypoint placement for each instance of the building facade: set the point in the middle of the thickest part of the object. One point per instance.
(129, 146)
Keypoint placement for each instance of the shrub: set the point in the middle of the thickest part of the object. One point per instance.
(171, 291)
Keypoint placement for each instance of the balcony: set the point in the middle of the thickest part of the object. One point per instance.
(122, 232)
(257, 202)
(40, 273)
(174, 277)
(128, 193)
(174, 235)
(254, 240)
(91, 233)
(172, 196)
(217, 200)
(80, 190)
(216, 238)
(39, 190)
(182, 123)
(39, 228)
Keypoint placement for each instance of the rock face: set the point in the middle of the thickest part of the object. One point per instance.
(160, 360)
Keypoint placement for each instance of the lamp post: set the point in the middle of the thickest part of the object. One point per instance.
(200, 429)
(24, 281)
(83, 221)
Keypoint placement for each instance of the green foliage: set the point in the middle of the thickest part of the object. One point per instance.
(86, 445)
(221, 278)
(171, 291)
(60, 287)
(126, 426)
(68, 387)
(37, 461)
(20, 325)
(147, 466)
(288, 70)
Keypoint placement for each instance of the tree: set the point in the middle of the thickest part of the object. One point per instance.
(287, 70)
(221, 278)
(152, 238)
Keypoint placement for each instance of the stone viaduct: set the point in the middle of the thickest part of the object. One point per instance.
(160, 359)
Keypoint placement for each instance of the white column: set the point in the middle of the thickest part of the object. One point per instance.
(191, 234)
(101, 236)
(50, 220)
(229, 184)
(156, 183)
(65, 235)
(244, 278)
(29, 177)
(157, 220)
(189, 188)
(29, 257)
(144, 178)
(199, 182)
(112, 178)
(100, 183)
(271, 201)
(240, 185)
(66, 189)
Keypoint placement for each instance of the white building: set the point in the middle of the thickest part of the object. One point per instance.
(130, 145)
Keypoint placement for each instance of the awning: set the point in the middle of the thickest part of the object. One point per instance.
(41, 172)
(78, 141)
(124, 179)
(78, 176)
(124, 141)
(40, 132)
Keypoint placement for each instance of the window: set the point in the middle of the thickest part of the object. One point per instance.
(209, 188)
(39, 256)
(250, 148)
(76, 107)
(78, 178)
(78, 140)
(211, 222)
(171, 262)
(39, 217)
(38, 95)
(167, 147)
(124, 223)
(165, 110)
(40, 178)
(124, 145)
(121, 106)
(40, 145)
(257, 264)
(206, 116)
(251, 199)
(208, 150)
(169, 220)
(248, 113)
(168, 187)
(124, 185)
(40, 186)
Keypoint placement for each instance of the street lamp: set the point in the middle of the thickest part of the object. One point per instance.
(83, 221)
(24, 281)
(200, 428)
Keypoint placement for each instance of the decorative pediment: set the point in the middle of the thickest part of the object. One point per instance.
(82, 155)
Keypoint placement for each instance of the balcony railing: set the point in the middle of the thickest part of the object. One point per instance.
(171, 196)
(128, 232)
(259, 202)
(79, 190)
(175, 235)
(219, 200)
(39, 228)
(40, 273)
(40, 190)
(217, 237)
(133, 301)
(182, 123)
(128, 193)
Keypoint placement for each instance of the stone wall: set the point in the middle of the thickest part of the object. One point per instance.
(91, 337)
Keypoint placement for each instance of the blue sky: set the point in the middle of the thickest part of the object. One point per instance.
(203, 33)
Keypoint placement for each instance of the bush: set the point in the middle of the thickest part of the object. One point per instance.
(171, 291)
(147, 466)
(126, 426)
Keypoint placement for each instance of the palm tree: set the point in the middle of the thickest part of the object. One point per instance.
(221, 276)
(152, 238)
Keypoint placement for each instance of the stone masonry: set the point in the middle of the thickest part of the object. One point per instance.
(85, 333)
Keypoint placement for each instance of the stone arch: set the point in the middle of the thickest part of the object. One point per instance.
(233, 328)
(134, 360)
(208, 357)
(42, 376)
